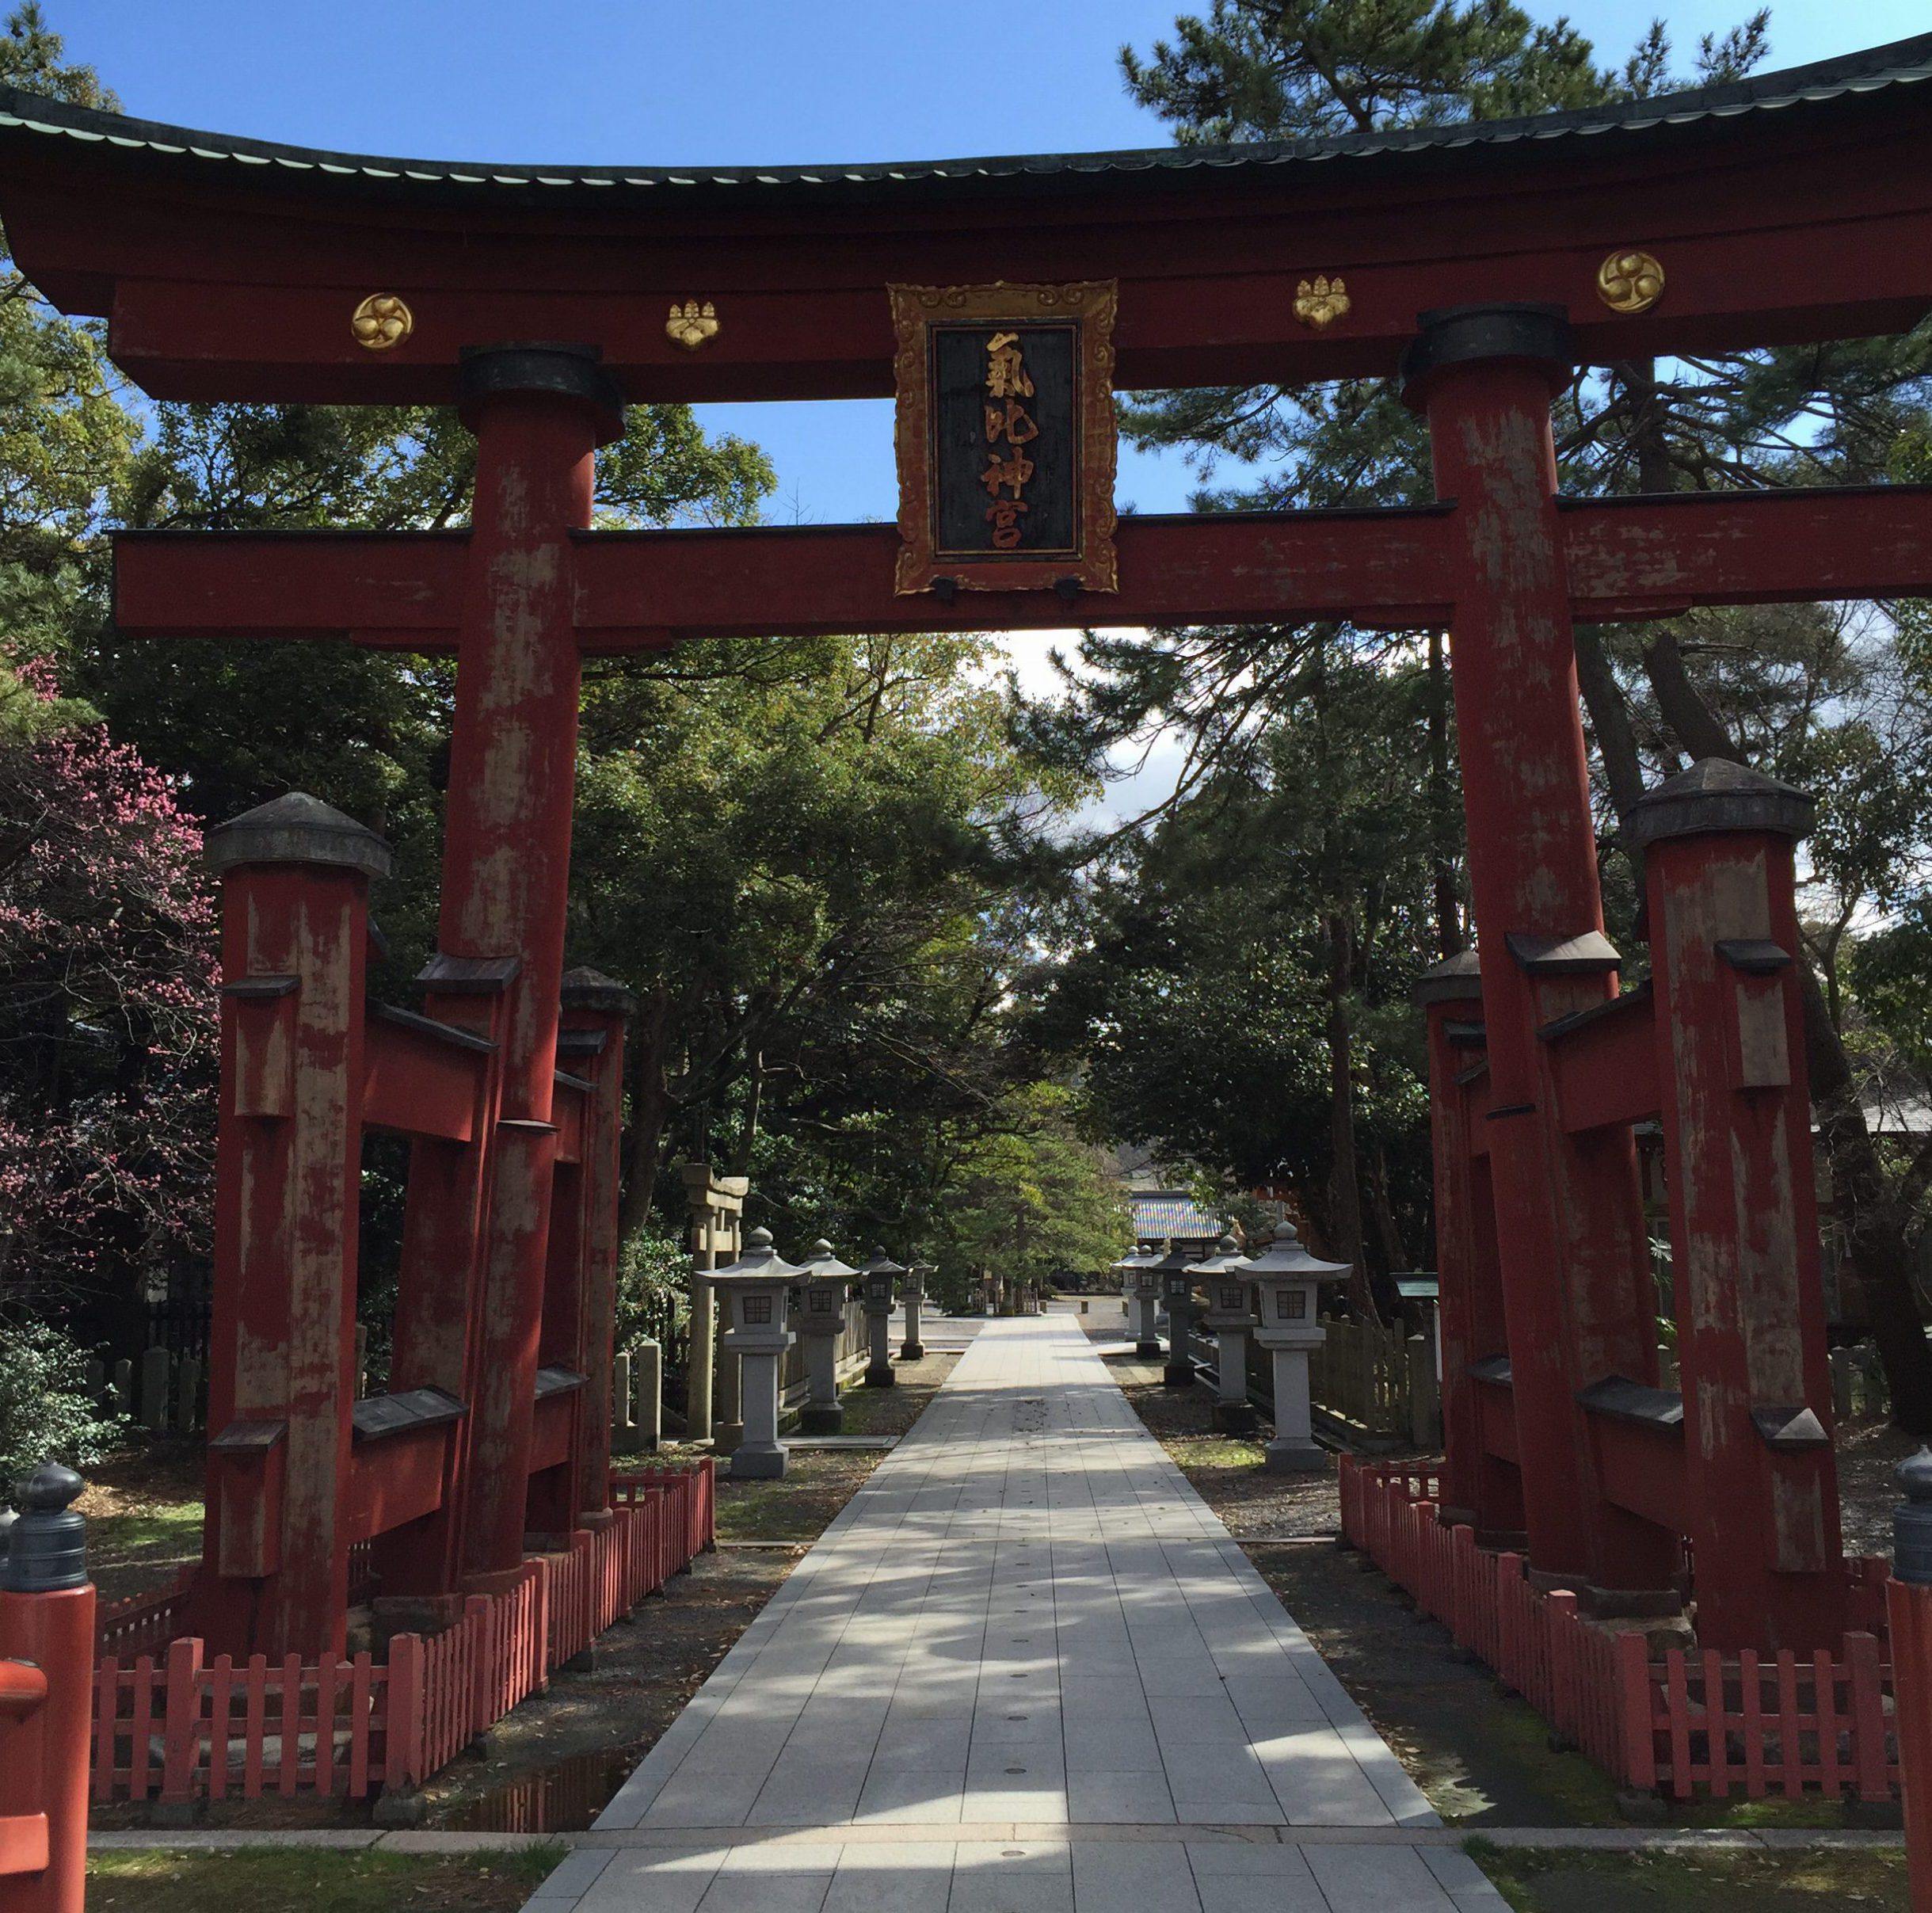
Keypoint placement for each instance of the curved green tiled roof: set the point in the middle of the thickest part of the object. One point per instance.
(1902, 63)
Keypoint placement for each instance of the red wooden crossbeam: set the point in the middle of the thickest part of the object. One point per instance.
(1628, 559)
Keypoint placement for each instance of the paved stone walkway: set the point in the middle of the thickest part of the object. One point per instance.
(1025, 1670)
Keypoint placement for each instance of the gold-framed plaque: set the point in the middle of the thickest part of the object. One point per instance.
(1006, 437)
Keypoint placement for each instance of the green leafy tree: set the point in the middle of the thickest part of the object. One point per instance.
(1028, 1201)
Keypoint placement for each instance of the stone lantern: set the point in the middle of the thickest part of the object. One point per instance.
(1177, 1292)
(1140, 1289)
(913, 1290)
(1287, 1281)
(823, 1284)
(754, 1288)
(1223, 1277)
(876, 1280)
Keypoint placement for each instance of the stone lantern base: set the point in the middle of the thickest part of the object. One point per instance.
(1286, 1456)
(817, 1420)
(758, 1462)
(1235, 1418)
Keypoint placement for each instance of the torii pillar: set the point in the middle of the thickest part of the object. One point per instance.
(1573, 1252)
(539, 412)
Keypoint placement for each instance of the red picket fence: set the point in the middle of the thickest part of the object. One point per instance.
(1756, 1724)
(172, 1726)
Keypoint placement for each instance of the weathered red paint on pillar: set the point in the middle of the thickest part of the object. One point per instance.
(438, 1319)
(1762, 1483)
(1908, 1608)
(281, 1377)
(1478, 1487)
(592, 1041)
(540, 413)
(1568, 1213)
(46, 1724)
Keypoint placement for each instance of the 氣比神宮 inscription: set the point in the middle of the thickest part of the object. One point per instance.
(1006, 437)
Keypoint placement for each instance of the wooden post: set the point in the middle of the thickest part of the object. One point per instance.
(539, 413)
(592, 1042)
(1908, 1607)
(1761, 1486)
(46, 1689)
(1571, 1243)
(295, 941)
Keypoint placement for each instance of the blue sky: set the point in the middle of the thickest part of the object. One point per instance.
(735, 81)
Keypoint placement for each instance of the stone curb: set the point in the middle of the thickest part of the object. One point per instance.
(1602, 1839)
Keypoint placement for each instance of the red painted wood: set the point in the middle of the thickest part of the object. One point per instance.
(506, 867)
(275, 1575)
(1572, 1250)
(288, 1719)
(1866, 1698)
(1623, 559)
(46, 1640)
(1909, 1609)
(234, 281)
(415, 1085)
(1751, 1689)
(362, 1693)
(398, 1479)
(1605, 1072)
(1763, 1524)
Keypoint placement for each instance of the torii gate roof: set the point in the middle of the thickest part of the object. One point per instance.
(1792, 206)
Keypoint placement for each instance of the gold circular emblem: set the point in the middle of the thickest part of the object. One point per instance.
(381, 321)
(1630, 282)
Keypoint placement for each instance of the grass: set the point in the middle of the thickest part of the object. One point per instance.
(308, 1880)
(1544, 1880)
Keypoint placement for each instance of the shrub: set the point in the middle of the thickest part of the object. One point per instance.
(45, 1411)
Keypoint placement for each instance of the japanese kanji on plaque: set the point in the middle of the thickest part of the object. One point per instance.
(1005, 436)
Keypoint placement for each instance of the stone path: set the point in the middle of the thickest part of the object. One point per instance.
(1025, 1670)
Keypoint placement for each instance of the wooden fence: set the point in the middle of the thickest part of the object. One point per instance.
(1819, 1723)
(170, 1725)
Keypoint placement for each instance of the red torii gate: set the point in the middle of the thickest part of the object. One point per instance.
(1484, 264)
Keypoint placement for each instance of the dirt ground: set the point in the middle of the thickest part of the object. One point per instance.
(294, 1881)
(1552, 1882)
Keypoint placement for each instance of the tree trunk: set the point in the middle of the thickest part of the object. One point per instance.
(1344, 1178)
(1867, 1204)
(650, 1110)
(1395, 1253)
(754, 1105)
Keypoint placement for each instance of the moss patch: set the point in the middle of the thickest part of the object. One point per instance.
(294, 1879)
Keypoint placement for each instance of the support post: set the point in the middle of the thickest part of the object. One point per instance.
(539, 413)
(1576, 1273)
(1477, 1487)
(1908, 1607)
(590, 1042)
(1761, 1499)
(648, 1360)
(47, 1670)
(912, 1292)
(716, 1205)
(282, 1383)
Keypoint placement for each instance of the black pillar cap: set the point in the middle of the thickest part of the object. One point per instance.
(1717, 794)
(1472, 335)
(46, 1545)
(566, 371)
(585, 989)
(1456, 979)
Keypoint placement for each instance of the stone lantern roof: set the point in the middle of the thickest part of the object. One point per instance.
(1285, 1256)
